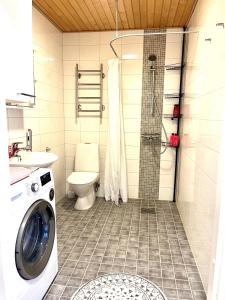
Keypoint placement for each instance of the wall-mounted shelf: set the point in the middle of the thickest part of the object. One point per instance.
(173, 96)
(169, 145)
(173, 67)
(171, 116)
(89, 106)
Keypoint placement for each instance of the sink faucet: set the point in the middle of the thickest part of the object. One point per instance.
(16, 149)
(29, 140)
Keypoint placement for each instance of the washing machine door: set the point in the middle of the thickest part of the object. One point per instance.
(35, 240)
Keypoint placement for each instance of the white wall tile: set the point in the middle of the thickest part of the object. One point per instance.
(94, 49)
(132, 125)
(69, 83)
(131, 96)
(201, 136)
(89, 53)
(133, 191)
(133, 178)
(132, 39)
(130, 67)
(166, 181)
(132, 82)
(71, 53)
(107, 36)
(173, 50)
(47, 119)
(132, 152)
(132, 166)
(132, 111)
(134, 50)
(71, 39)
(89, 137)
(166, 194)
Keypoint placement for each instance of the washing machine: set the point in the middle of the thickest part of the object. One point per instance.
(30, 263)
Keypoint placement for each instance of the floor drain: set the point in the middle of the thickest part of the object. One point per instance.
(147, 210)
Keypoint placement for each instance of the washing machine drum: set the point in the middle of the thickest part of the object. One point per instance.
(35, 240)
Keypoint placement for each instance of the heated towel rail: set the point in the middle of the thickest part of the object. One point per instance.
(89, 92)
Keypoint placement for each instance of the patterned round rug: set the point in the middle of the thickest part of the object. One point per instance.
(119, 287)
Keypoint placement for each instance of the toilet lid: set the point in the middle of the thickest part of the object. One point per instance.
(82, 177)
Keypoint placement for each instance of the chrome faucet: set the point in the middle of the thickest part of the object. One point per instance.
(28, 140)
(16, 149)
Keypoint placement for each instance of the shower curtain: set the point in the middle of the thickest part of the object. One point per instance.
(115, 182)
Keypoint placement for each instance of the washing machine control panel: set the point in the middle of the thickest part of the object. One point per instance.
(34, 187)
(45, 178)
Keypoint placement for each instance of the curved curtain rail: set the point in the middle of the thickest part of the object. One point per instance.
(145, 34)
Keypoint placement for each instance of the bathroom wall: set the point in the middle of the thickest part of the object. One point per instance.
(89, 50)
(156, 180)
(203, 110)
(47, 118)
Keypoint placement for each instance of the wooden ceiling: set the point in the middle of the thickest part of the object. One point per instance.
(99, 15)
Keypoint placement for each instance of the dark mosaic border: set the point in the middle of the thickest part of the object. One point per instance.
(149, 169)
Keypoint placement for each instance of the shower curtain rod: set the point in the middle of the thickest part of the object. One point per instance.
(144, 34)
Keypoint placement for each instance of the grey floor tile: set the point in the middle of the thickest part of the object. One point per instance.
(56, 289)
(170, 292)
(199, 295)
(169, 283)
(110, 239)
(69, 291)
(194, 277)
(183, 284)
(74, 281)
(196, 286)
(184, 294)
(51, 297)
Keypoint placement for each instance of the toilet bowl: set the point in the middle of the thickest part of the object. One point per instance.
(82, 184)
(83, 180)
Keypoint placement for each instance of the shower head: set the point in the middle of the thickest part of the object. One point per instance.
(152, 60)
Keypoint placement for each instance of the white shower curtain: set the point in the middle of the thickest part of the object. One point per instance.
(115, 181)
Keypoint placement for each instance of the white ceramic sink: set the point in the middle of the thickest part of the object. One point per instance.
(30, 159)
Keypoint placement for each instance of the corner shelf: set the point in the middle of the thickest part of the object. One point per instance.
(173, 67)
(170, 116)
(173, 96)
(168, 145)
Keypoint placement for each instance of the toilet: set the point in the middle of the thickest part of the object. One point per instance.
(83, 180)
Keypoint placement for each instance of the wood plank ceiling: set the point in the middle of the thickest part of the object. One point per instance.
(99, 15)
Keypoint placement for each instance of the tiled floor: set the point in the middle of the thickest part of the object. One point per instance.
(110, 239)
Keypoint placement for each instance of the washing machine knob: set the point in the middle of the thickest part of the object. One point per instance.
(34, 187)
(51, 194)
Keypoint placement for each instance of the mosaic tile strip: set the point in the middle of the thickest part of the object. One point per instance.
(150, 150)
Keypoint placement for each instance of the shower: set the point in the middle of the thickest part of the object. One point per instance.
(154, 107)
(152, 59)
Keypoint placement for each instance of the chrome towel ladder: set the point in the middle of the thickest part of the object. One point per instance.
(85, 101)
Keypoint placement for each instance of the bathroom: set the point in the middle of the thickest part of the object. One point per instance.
(167, 228)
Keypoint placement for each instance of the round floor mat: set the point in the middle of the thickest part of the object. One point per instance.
(119, 287)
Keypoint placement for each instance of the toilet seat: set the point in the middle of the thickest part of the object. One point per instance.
(82, 177)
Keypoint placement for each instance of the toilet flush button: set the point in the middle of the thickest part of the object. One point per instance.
(34, 187)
